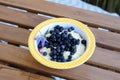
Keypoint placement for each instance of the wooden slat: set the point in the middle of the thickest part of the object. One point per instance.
(106, 58)
(28, 20)
(54, 9)
(20, 36)
(9, 73)
(14, 35)
(22, 57)
(109, 40)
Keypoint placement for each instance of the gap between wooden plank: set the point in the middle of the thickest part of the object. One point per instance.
(31, 20)
(89, 17)
(7, 73)
(20, 36)
(109, 40)
(22, 57)
(25, 38)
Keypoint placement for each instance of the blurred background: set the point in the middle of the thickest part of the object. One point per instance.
(110, 7)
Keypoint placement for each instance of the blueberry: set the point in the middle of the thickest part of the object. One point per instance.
(70, 57)
(51, 31)
(72, 53)
(62, 47)
(44, 53)
(54, 56)
(54, 52)
(58, 49)
(61, 29)
(58, 60)
(68, 60)
(65, 32)
(51, 55)
(77, 41)
(48, 38)
(40, 45)
(73, 49)
(57, 27)
(63, 60)
(70, 29)
(58, 36)
(67, 49)
(46, 44)
(70, 36)
(63, 35)
(73, 40)
(69, 45)
(61, 54)
(55, 44)
(56, 31)
(61, 43)
(84, 42)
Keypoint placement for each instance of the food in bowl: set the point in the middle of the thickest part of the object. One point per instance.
(61, 44)
(72, 53)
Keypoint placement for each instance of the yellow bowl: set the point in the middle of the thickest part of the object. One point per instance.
(81, 28)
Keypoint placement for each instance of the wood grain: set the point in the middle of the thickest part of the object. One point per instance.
(54, 9)
(27, 20)
(14, 35)
(109, 40)
(20, 36)
(22, 57)
(9, 73)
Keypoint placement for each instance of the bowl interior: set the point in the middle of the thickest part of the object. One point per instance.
(43, 31)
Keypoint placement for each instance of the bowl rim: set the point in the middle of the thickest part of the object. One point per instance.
(59, 65)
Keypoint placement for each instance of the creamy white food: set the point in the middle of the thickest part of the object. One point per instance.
(79, 48)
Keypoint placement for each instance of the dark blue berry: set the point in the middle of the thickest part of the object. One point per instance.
(46, 44)
(55, 44)
(67, 49)
(57, 27)
(58, 49)
(77, 41)
(73, 40)
(58, 60)
(63, 60)
(84, 42)
(62, 47)
(63, 35)
(70, 29)
(54, 52)
(70, 57)
(72, 53)
(44, 53)
(73, 49)
(65, 32)
(69, 45)
(61, 29)
(51, 31)
(61, 54)
(70, 37)
(68, 60)
(40, 45)
(54, 56)
(51, 55)
(57, 31)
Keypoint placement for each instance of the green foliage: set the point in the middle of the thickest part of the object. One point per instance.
(109, 5)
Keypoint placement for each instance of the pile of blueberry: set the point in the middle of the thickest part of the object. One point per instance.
(61, 41)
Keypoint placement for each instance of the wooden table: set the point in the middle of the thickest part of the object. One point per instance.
(16, 62)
